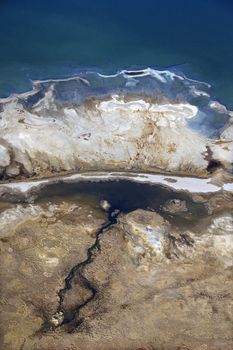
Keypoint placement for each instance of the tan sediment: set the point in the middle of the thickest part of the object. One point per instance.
(172, 294)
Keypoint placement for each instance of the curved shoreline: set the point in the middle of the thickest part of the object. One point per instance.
(134, 121)
(176, 183)
(130, 74)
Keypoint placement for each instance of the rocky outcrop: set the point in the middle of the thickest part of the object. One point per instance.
(55, 129)
(147, 235)
(175, 206)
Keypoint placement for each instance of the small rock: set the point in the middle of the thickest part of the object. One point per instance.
(13, 170)
(115, 212)
(4, 157)
(175, 206)
(105, 205)
(57, 319)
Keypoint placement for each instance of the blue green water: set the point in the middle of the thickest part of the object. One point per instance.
(51, 39)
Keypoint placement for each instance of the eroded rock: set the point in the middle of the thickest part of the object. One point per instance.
(105, 205)
(175, 129)
(4, 157)
(175, 206)
(147, 234)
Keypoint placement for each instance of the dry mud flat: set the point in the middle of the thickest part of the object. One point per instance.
(157, 274)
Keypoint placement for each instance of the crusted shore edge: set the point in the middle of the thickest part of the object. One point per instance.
(177, 183)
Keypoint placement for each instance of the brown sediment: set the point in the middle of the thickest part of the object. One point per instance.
(71, 316)
(146, 281)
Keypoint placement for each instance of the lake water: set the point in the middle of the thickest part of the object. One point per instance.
(54, 39)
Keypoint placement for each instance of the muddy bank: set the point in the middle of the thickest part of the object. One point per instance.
(30, 190)
(155, 272)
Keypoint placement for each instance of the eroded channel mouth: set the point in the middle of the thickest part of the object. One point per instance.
(127, 196)
(71, 317)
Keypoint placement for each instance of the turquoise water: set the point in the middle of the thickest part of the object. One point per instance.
(53, 39)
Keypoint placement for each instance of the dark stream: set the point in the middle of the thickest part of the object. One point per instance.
(124, 196)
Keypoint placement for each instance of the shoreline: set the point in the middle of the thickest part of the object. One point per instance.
(160, 74)
(176, 183)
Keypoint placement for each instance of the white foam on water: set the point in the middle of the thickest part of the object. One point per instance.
(161, 75)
